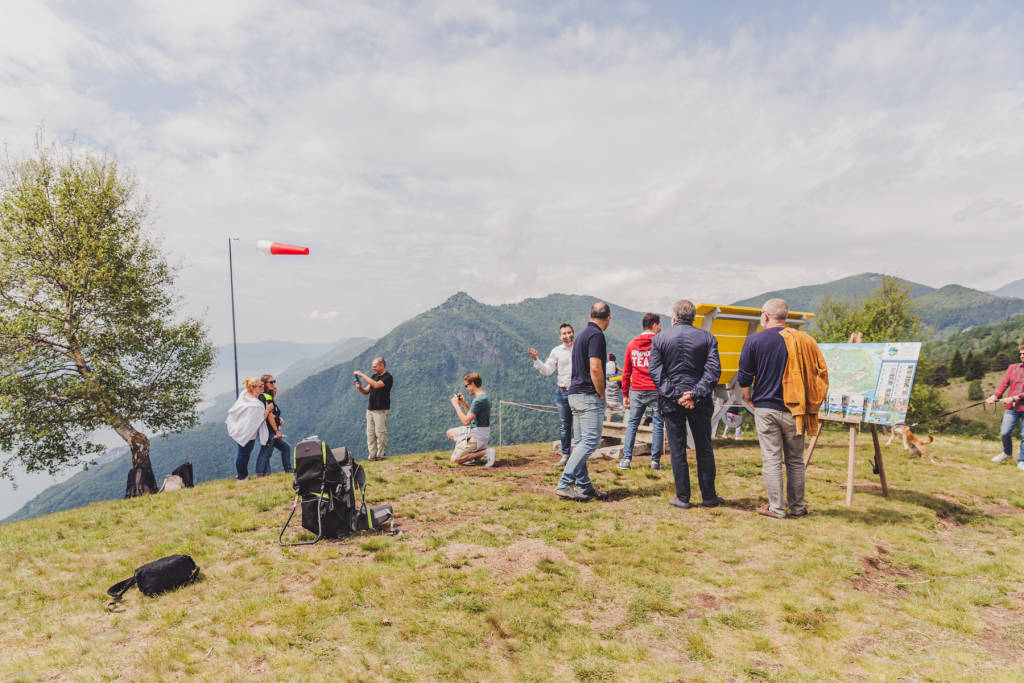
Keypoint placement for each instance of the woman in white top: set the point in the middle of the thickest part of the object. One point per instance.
(247, 422)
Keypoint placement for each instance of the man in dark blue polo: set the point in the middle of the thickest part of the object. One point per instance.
(586, 400)
(763, 364)
(684, 365)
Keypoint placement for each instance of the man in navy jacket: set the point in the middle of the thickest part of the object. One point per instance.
(685, 367)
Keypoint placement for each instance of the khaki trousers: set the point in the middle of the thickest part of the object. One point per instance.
(776, 432)
(377, 433)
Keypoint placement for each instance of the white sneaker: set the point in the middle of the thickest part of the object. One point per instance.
(1020, 466)
(999, 458)
(489, 455)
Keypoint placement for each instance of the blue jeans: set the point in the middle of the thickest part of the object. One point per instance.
(263, 459)
(564, 420)
(1010, 420)
(587, 418)
(242, 461)
(638, 403)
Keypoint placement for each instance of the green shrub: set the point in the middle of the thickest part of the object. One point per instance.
(974, 391)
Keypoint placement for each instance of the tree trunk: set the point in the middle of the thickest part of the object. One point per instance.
(138, 443)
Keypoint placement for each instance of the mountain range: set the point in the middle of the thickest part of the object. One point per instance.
(1015, 288)
(947, 310)
(429, 354)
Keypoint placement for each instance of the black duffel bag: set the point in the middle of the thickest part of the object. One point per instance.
(158, 576)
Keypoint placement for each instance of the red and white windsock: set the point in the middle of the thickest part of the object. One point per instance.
(279, 249)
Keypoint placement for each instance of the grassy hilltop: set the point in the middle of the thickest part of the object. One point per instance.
(496, 579)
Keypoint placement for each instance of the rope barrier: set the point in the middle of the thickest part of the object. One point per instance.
(949, 412)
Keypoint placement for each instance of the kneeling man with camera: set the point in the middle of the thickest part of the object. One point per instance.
(472, 437)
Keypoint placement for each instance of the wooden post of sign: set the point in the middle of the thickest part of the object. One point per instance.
(878, 460)
(850, 465)
(813, 443)
(852, 454)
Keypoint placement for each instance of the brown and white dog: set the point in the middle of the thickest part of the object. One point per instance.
(911, 442)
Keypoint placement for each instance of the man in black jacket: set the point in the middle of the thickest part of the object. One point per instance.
(684, 365)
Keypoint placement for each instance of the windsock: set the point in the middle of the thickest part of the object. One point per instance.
(279, 249)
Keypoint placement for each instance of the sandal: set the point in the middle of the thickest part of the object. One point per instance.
(767, 512)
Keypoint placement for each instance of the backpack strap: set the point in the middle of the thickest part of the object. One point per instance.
(118, 590)
(359, 480)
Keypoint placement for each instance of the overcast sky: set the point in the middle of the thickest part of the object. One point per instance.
(634, 151)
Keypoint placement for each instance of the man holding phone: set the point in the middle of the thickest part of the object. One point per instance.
(378, 387)
(472, 437)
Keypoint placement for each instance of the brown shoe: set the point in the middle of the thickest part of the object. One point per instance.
(802, 513)
(767, 512)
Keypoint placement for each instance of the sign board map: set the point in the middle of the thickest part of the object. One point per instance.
(870, 382)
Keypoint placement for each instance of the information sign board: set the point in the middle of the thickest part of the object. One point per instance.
(870, 382)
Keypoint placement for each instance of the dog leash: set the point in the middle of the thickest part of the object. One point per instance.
(948, 412)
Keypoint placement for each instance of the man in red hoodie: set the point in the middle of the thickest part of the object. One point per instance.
(639, 392)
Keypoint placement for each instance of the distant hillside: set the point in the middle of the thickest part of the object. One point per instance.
(299, 370)
(953, 308)
(809, 297)
(342, 351)
(984, 340)
(946, 311)
(256, 358)
(1014, 289)
(428, 356)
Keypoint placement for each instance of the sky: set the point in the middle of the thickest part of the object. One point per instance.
(635, 151)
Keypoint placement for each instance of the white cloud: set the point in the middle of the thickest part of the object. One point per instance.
(422, 150)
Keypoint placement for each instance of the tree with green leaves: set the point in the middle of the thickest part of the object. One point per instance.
(888, 315)
(956, 366)
(88, 331)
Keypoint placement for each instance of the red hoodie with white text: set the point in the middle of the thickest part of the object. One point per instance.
(634, 369)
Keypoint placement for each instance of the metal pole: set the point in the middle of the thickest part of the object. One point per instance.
(234, 333)
(501, 440)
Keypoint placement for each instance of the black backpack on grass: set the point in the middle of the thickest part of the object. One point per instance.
(184, 471)
(326, 482)
(324, 490)
(158, 576)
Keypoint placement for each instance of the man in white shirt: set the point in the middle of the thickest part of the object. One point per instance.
(560, 361)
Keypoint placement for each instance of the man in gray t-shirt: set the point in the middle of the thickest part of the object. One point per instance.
(472, 437)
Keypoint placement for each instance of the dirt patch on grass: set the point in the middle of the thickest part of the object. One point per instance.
(881, 576)
(703, 604)
(510, 561)
(1000, 635)
(1001, 509)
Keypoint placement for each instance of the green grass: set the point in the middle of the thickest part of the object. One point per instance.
(494, 578)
